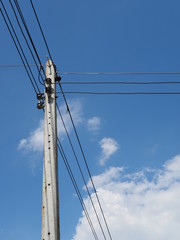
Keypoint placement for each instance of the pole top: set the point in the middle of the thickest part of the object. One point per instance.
(49, 62)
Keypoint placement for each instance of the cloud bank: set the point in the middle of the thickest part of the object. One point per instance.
(138, 206)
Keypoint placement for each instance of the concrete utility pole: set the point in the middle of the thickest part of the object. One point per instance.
(50, 201)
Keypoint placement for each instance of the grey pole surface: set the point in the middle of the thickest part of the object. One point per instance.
(50, 198)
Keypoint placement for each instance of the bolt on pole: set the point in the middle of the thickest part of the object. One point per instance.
(50, 198)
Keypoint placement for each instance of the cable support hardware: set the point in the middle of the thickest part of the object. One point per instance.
(40, 98)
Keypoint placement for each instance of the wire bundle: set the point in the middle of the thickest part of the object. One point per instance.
(21, 22)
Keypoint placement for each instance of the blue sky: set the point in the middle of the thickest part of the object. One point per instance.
(131, 143)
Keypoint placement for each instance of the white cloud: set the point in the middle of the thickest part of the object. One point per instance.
(35, 140)
(137, 207)
(108, 147)
(94, 124)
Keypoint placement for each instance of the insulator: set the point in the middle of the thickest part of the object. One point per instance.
(40, 105)
(40, 96)
(58, 78)
(48, 81)
(48, 90)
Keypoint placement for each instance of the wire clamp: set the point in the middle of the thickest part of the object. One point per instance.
(40, 105)
(48, 81)
(48, 90)
(40, 96)
(58, 78)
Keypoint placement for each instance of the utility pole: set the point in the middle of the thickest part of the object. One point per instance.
(50, 198)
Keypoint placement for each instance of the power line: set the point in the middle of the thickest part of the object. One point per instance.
(76, 188)
(41, 29)
(26, 40)
(94, 73)
(16, 65)
(28, 33)
(25, 65)
(80, 169)
(20, 13)
(119, 82)
(85, 161)
(119, 73)
(120, 93)
(22, 18)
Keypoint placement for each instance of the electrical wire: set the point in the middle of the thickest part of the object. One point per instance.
(95, 73)
(76, 188)
(60, 148)
(120, 93)
(39, 75)
(41, 29)
(80, 169)
(39, 70)
(85, 161)
(15, 65)
(25, 65)
(119, 82)
(28, 33)
(119, 73)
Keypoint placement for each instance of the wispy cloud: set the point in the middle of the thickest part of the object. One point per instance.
(34, 142)
(137, 207)
(153, 150)
(108, 147)
(94, 124)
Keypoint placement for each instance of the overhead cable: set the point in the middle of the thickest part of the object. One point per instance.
(119, 73)
(28, 33)
(80, 169)
(39, 71)
(96, 73)
(25, 65)
(35, 13)
(119, 82)
(85, 161)
(76, 188)
(15, 65)
(120, 93)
